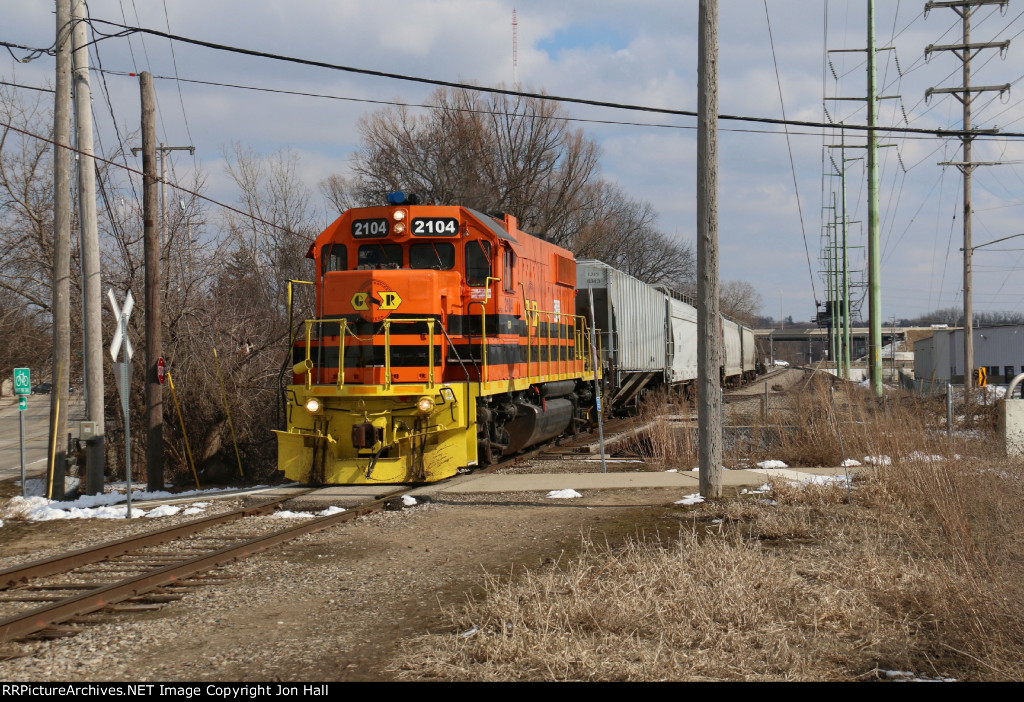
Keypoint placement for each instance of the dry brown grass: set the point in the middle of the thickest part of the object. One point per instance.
(920, 572)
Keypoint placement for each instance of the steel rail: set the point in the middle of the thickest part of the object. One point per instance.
(62, 563)
(33, 621)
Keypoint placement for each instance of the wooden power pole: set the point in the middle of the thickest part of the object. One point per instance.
(92, 300)
(61, 283)
(709, 331)
(964, 93)
(151, 249)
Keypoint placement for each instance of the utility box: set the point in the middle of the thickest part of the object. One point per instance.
(87, 431)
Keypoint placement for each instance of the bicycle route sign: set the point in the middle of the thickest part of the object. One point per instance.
(22, 381)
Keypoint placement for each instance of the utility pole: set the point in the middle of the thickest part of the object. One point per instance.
(709, 334)
(874, 247)
(163, 235)
(965, 51)
(61, 282)
(92, 328)
(151, 248)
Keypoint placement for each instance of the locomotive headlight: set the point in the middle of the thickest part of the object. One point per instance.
(398, 215)
(313, 405)
(425, 405)
(398, 228)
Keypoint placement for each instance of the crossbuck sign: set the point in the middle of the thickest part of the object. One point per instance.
(124, 376)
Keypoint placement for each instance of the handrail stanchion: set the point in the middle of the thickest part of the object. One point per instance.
(430, 353)
(309, 337)
(387, 354)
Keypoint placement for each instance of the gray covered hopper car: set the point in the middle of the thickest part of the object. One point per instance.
(649, 333)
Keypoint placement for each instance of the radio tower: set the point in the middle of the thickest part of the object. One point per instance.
(515, 49)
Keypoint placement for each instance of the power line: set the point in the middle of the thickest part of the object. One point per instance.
(159, 180)
(128, 30)
(792, 164)
(26, 87)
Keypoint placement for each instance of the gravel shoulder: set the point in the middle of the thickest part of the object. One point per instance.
(329, 606)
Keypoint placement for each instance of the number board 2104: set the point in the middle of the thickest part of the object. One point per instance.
(435, 226)
(364, 228)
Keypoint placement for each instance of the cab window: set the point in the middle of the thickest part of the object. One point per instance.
(439, 256)
(377, 256)
(333, 257)
(478, 262)
(510, 266)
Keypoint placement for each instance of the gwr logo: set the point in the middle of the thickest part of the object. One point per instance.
(375, 300)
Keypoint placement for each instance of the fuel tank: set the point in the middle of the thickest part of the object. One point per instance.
(534, 424)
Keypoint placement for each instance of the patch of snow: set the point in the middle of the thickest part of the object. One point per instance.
(765, 488)
(286, 514)
(909, 676)
(672, 470)
(192, 511)
(850, 463)
(163, 511)
(469, 632)
(924, 458)
(409, 501)
(878, 460)
(566, 494)
(838, 480)
(772, 464)
(693, 499)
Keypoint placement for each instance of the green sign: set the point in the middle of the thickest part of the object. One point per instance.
(22, 403)
(22, 381)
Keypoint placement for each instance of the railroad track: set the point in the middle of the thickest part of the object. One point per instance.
(129, 574)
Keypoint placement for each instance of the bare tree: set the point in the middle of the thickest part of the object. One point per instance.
(740, 301)
(500, 153)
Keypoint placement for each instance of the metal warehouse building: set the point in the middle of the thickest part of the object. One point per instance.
(1000, 350)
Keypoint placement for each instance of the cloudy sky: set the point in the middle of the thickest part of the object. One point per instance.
(642, 52)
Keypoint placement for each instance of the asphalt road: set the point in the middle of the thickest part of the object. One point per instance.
(37, 426)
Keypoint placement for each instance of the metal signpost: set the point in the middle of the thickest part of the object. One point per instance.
(122, 371)
(22, 388)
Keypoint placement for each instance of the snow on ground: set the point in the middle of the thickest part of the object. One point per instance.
(772, 464)
(691, 499)
(107, 505)
(287, 514)
(566, 494)
(409, 501)
(878, 460)
(908, 676)
(850, 463)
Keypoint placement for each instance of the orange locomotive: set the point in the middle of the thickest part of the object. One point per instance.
(443, 338)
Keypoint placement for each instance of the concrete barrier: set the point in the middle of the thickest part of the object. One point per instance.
(1011, 420)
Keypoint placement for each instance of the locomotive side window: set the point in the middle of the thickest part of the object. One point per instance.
(510, 266)
(478, 262)
(439, 256)
(333, 257)
(375, 256)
